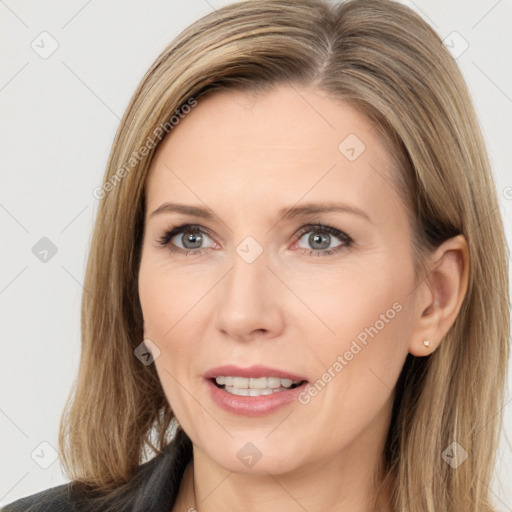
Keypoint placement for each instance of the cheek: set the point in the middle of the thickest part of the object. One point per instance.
(367, 322)
(167, 296)
(169, 302)
(356, 302)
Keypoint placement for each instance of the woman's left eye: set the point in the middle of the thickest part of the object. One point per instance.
(320, 238)
(189, 239)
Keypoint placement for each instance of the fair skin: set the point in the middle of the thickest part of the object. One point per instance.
(246, 158)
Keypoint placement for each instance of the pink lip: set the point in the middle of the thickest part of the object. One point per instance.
(256, 371)
(252, 405)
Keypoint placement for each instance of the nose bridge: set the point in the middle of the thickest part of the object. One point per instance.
(249, 278)
(248, 299)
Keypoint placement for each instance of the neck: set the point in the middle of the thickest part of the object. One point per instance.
(350, 480)
(322, 487)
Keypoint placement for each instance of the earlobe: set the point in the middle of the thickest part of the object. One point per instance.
(440, 296)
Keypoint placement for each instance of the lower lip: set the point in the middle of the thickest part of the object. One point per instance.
(252, 405)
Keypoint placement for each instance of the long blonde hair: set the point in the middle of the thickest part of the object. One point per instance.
(384, 59)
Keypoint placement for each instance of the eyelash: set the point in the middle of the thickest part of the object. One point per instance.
(347, 241)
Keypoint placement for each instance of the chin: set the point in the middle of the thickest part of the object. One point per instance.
(257, 457)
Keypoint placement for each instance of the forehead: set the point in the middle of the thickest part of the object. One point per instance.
(273, 148)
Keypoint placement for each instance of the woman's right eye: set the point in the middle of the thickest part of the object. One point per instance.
(184, 239)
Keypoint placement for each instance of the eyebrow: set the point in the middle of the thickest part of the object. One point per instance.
(304, 210)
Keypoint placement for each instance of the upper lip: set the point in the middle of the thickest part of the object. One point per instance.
(231, 370)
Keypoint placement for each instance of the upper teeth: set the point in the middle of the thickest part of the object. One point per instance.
(252, 383)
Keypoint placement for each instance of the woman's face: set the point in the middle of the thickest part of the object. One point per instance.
(253, 281)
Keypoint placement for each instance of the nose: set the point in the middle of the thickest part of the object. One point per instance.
(250, 300)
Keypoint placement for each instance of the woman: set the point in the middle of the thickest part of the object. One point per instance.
(297, 287)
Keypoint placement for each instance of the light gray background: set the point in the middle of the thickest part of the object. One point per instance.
(58, 119)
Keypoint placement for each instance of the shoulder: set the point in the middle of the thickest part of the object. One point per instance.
(153, 488)
(53, 499)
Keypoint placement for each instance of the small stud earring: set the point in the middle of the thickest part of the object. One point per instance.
(436, 304)
(426, 343)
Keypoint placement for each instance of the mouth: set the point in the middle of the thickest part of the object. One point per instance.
(253, 391)
(255, 386)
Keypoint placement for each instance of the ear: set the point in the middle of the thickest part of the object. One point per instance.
(439, 297)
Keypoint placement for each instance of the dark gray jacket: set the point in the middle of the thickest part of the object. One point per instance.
(153, 488)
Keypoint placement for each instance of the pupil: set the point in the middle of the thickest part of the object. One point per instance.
(317, 239)
(194, 239)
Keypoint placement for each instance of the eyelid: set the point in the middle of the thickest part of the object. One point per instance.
(325, 228)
